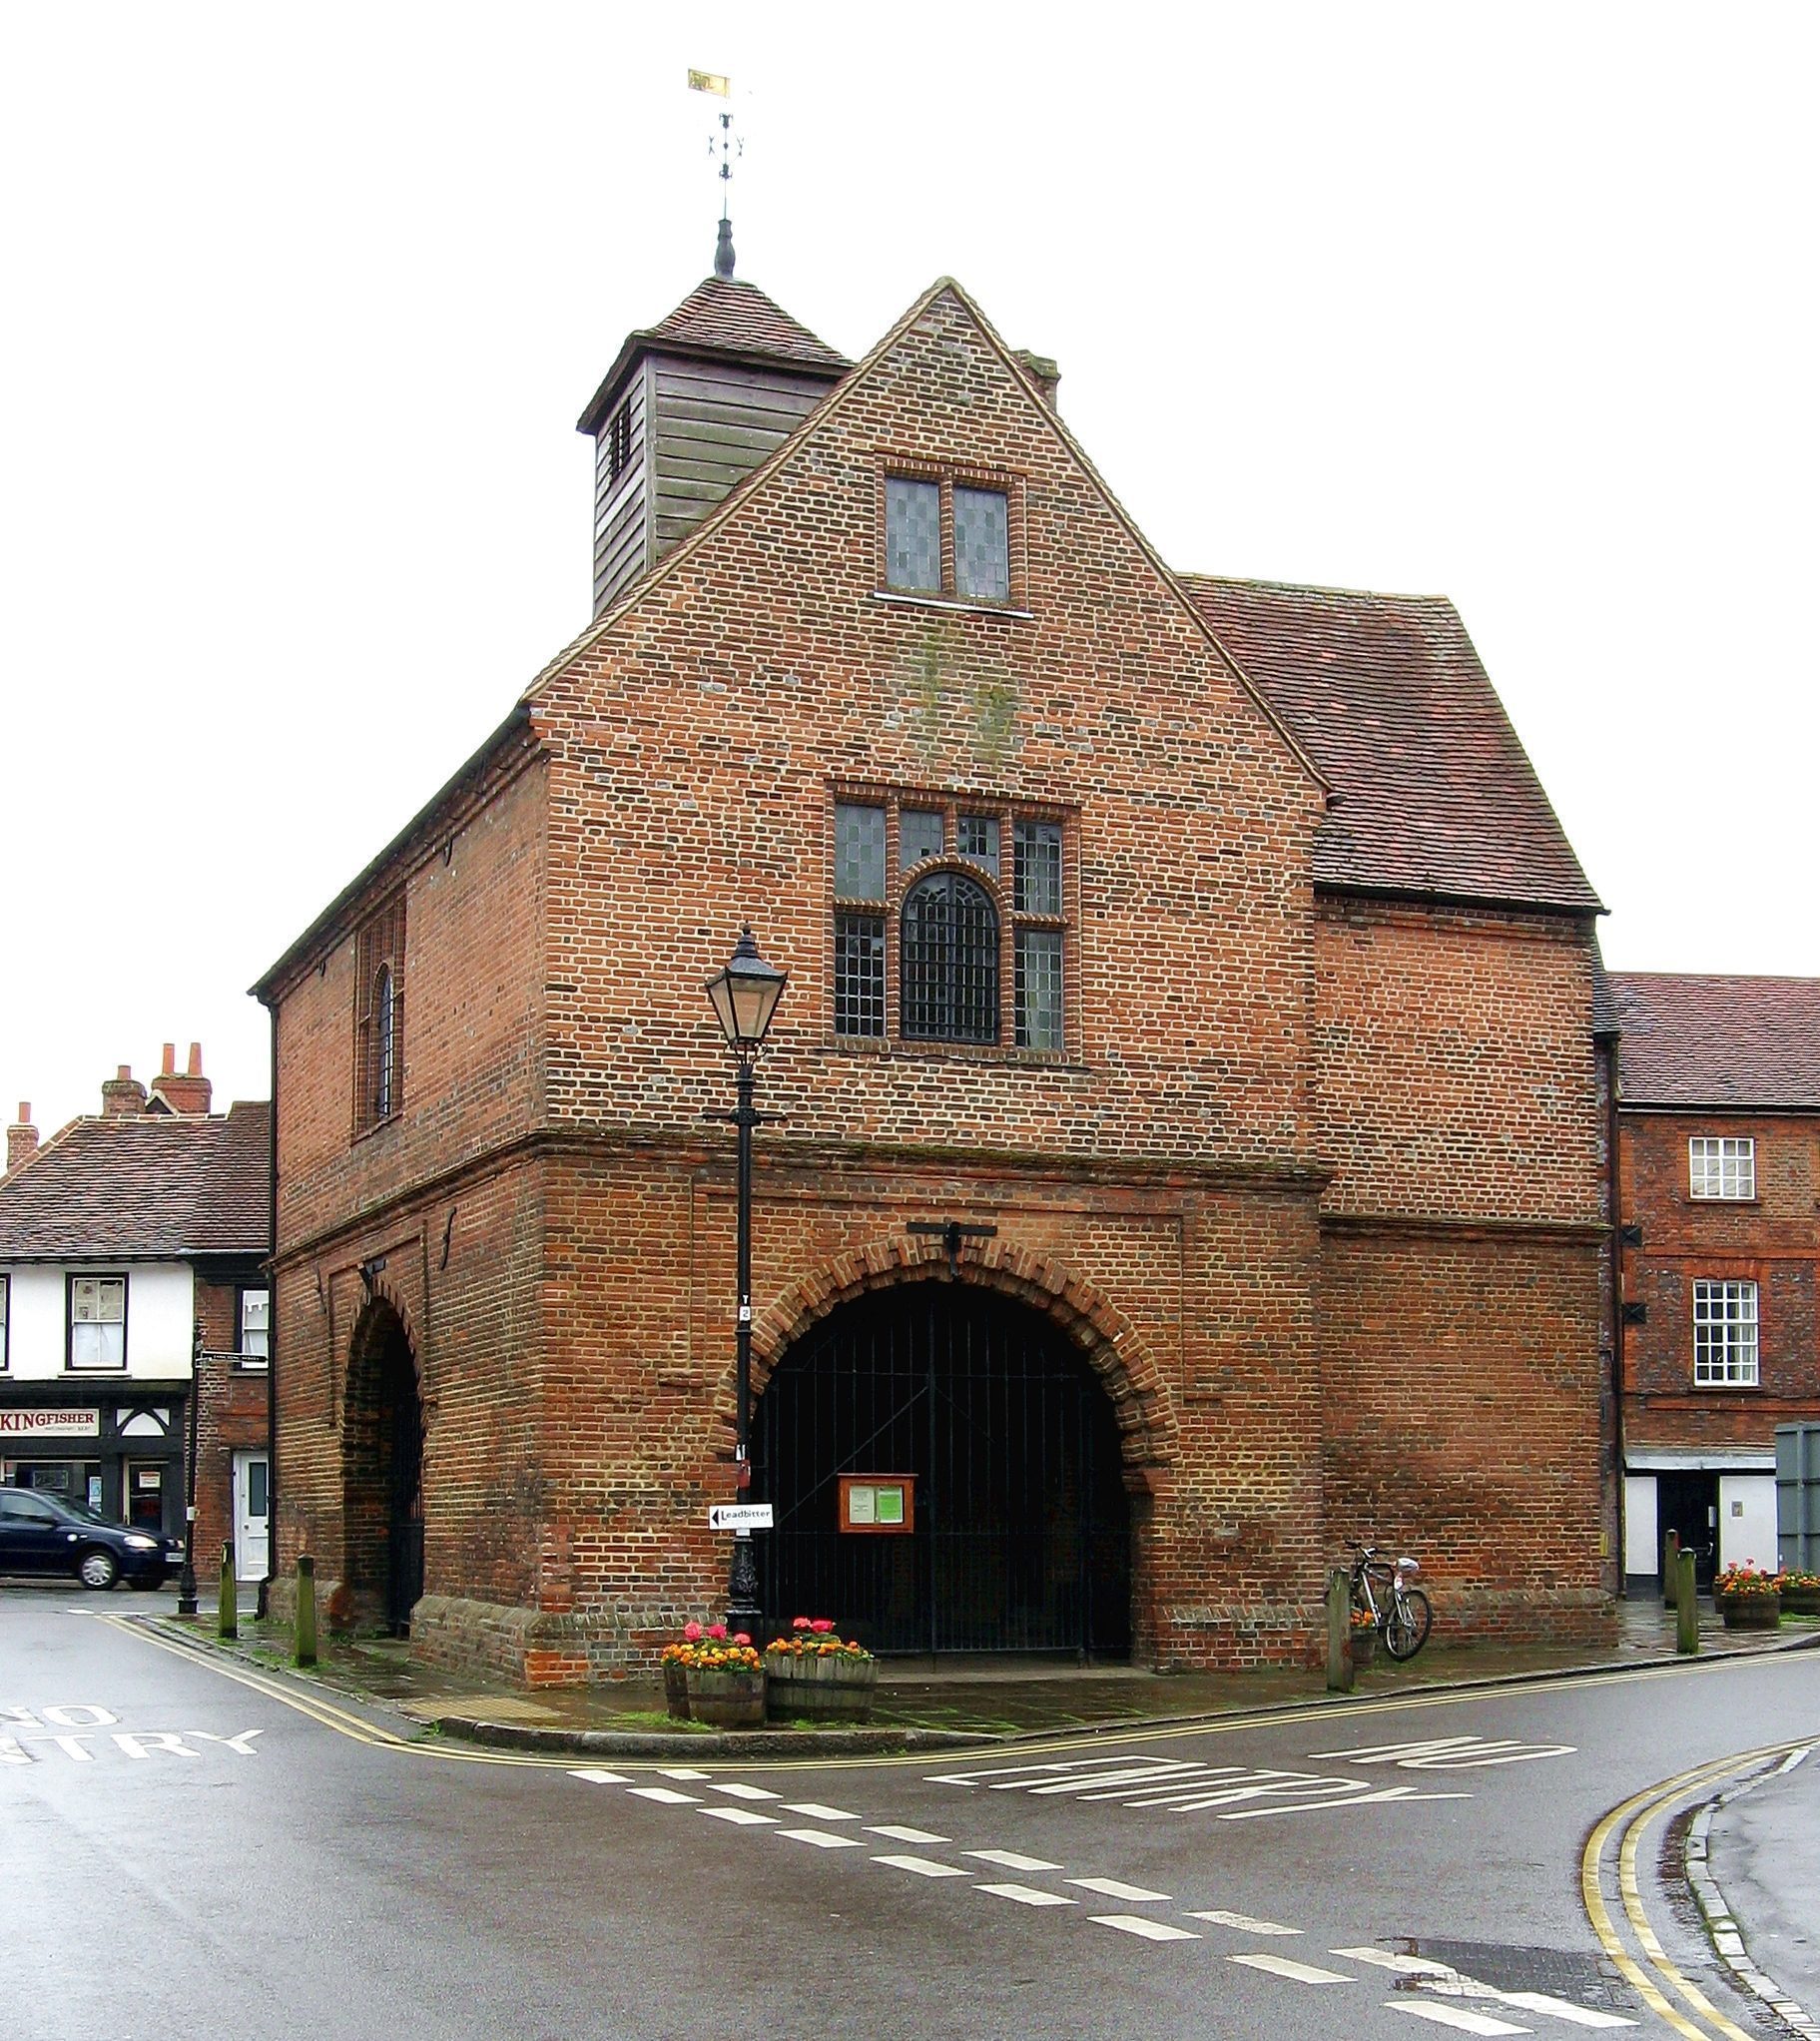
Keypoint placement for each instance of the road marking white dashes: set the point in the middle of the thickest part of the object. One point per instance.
(1026, 1895)
(665, 1797)
(925, 1867)
(1114, 1889)
(1297, 1973)
(1150, 1930)
(1010, 1861)
(817, 1812)
(594, 1778)
(1404, 1966)
(679, 1772)
(1562, 2009)
(821, 1838)
(736, 1792)
(741, 1818)
(1454, 2017)
(1244, 1923)
(906, 1834)
(1450, 1983)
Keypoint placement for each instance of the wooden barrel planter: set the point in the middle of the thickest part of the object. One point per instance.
(830, 1689)
(727, 1699)
(1801, 1601)
(1750, 1612)
(1364, 1649)
(676, 1691)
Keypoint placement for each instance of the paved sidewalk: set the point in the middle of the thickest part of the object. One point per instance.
(955, 1700)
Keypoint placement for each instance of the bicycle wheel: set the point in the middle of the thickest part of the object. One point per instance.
(1407, 1623)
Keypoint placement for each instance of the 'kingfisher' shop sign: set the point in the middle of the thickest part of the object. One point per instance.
(50, 1424)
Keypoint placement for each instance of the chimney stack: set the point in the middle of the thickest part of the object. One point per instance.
(121, 1094)
(21, 1137)
(188, 1092)
(1041, 372)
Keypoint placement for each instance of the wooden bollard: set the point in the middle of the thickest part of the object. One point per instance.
(227, 1609)
(1687, 1608)
(304, 1651)
(1338, 1631)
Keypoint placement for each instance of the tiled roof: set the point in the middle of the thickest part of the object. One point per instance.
(1750, 1043)
(1435, 795)
(723, 317)
(724, 312)
(144, 1184)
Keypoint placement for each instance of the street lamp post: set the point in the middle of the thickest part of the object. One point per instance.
(186, 1573)
(745, 994)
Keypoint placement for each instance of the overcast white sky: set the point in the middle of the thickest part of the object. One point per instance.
(1510, 301)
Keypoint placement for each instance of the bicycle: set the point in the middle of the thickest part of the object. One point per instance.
(1399, 1612)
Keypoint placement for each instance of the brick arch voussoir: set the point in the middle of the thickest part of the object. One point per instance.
(382, 1297)
(1115, 1348)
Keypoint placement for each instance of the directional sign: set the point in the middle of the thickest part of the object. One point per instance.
(739, 1515)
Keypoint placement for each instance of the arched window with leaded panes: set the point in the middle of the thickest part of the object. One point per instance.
(949, 960)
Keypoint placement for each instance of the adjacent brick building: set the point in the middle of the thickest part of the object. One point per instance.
(1208, 949)
(1719, 1175)
(133, 1246)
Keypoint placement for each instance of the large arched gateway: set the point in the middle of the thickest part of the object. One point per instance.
(382, 1472)
(1018, 1533)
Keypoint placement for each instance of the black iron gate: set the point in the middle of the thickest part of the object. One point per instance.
(401, 1414)
(1021, 1539)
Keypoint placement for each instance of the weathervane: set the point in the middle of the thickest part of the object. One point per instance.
(726, 145)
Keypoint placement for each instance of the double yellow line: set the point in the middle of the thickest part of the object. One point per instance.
(1630, 1824)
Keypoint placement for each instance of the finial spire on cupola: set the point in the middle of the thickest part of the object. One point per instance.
(723, 252)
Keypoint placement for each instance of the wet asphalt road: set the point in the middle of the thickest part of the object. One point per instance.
(192, 1853)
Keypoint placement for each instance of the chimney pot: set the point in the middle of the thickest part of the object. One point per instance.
(195, 1058)
(170, 1057)
(185, 1092)
(121, 1094)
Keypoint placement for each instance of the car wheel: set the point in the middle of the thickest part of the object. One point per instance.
(146, 1584)
(98, 1568)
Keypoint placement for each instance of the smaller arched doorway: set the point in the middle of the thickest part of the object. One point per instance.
(1021, 1533)
(383, 1473)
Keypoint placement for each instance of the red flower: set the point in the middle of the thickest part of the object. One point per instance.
(822, 1625)
(741, 1638)
(799, 1622)
(717, 1630)
(692, 1630)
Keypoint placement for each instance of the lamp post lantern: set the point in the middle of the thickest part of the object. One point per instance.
(745, 994)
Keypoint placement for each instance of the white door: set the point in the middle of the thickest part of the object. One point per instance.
(251, 1514)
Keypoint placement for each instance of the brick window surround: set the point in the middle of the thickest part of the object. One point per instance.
(1721, 1166)
(1724, 1334)
(952, 915)
(95, 1323)
(380, 1017)
(949, 534)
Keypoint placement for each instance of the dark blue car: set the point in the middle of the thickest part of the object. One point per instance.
(41, 1534)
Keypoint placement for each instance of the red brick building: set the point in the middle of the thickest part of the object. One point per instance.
(1719, 1175)
(1209, 949)
(134, 1303)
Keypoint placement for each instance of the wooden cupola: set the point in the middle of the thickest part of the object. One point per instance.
(685, 414)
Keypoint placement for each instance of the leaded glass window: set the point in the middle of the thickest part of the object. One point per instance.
(1036, 886)
(983, 545)
(913, 534)
(919, 836)
(949, 978)
(1038, 984)
(977, 837)
(859, 851)
(858, 974)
